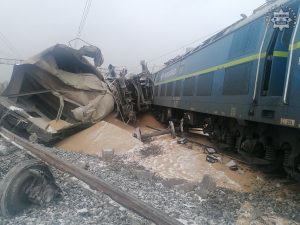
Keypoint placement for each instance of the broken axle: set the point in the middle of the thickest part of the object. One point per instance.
(171, 130)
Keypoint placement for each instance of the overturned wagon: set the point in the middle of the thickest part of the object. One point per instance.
(55, 93)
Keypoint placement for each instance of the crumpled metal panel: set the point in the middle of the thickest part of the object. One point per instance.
(60, 88)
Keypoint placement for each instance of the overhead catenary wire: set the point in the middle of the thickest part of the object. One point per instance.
(83, 18)
(182, 47)
(82, 23)
(9, 45)
(178, 49)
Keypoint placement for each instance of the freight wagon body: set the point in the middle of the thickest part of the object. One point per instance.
(242, 85)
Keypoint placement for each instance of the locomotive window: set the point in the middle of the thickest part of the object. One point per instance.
(204, 84)
(163, 90)
(177, 88)
(245, 39)
(189, 86)
(236, 79)
(169, 89)
(156, 89)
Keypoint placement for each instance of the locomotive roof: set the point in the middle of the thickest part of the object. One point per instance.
(260, 11)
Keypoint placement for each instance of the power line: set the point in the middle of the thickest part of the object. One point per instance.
(9, 45)
(182, 47)
(82, 18)
(85, 13)
(177, 49)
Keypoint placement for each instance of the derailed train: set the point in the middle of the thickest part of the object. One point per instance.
(242, 86)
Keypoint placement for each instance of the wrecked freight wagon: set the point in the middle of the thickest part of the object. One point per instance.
(133, 93)
(55, 93)
(59, 92)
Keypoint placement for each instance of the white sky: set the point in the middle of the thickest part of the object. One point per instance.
(126, 31)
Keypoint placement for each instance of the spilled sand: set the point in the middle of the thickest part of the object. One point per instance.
(102, 135)
(177, 161)
(189, 162)
(147, 119)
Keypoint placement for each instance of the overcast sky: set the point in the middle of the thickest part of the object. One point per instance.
(126, 31)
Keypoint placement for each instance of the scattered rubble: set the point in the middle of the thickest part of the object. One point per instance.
(232, 165)
(182, 141)
(210, 150)
(151, 150)
(211, 158)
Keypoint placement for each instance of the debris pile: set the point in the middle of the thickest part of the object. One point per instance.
(133, 93)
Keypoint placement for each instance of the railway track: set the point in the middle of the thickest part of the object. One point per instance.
(95, 183)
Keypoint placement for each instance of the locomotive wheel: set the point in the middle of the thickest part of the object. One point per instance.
(25, 178)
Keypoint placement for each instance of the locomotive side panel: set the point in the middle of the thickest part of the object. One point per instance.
(247, 69)
(243, 90)
(218, 79)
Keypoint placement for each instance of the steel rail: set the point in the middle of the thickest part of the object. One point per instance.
(96, 183)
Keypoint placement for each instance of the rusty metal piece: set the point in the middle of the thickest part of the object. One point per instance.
(142, 137)
(93, 181)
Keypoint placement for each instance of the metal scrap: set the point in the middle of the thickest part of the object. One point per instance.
(143, 137)
(132, 93)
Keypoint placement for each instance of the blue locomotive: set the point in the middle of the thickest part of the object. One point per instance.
(242, 86)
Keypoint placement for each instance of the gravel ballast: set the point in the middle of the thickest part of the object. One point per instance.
(80, 205)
